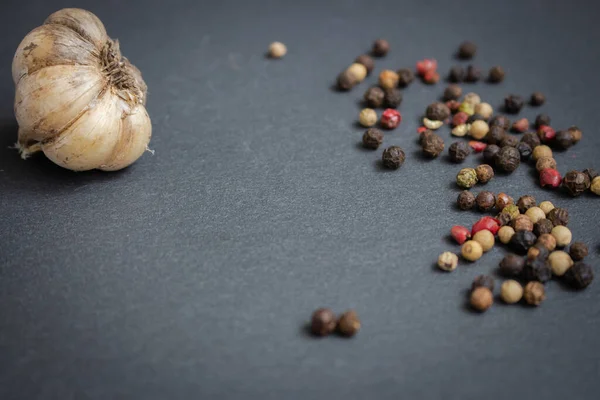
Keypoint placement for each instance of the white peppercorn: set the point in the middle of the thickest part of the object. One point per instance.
(560, 262)
(562, 234)
(447, 261)
(367, 117)
(511, 291)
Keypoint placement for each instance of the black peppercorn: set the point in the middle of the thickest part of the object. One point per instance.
(467, 50)
(495, 135)
(483, 281)
(392, 98)
(346, 81)
(465, 200)
(374, 97)
(348, 324)
(476, 117)
(542, 119)
(393, 157)
(406, 76)
(323, 322)
(509, 140)
(485, 200)
(496, 74)
(513, 104)
(538, 250)
(525, 203)
(473, 74)
(372, 138)
(576, 182)
(512, 265)
(537, 99)
(525, 150)
(531, 139)
(437, 111)
(490, 152)
(563, 139)
(508, 159)
(578, 251)
(424, 135)
(591, 173)
(576, 132)
(459, 151)
(367, 61)
(501, 121)
(559, 216)
(580, 275)
(537, 269)
(380, 47)
(521, 241)
(452, 92)
(432, 145)
(543, 226)
(457, 74)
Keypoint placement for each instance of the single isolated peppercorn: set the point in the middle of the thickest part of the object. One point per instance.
(460, 233)
(392, 98)
(531, 139)
(496, 74)
(537, 269)
(525, 203)
(576, 133)
(542, 226)
(452, 92)
(465, 200)
(537, 99)
(508, 159)
(481, 299)
(457, 74)
(512, 265)
(367, 61)
(405, 77)
(534, 293)
(563, 139)
(485, 281)
(550, 177)
(323, 322)
(542, 119)
(374, 97)
(466, 178)
(559, 216)
(484, 172)
(509, 141)
(277, 50)
(372, 138)
(381, 47)
(473, 74)
(433, 145)
(346, 81)
(511, 291)
(576, 182)
(467, 50)
(390, 119)
(503, 200)
(522, 241)
(513, 104)
(447, 261)
(485, 200)
(490, 152)
(367, 117)
(547, 240)
(525, 150)
(437, 111)
(578, 251)
(501, 121)
(349, 324)
(459, 151)
(393, 157)
(580, 275)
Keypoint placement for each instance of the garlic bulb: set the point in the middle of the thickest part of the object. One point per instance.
(77, 99)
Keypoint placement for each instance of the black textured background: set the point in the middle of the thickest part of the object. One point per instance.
(191, 274)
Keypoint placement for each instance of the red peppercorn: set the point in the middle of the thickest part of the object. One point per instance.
(421, 129)
(460, 234)
(550, 177)
(477, 146)
(546, 133)
(489, 223)
(521, 125)
(426, 65)
(390, 118)
(431, 77)
(460, 118)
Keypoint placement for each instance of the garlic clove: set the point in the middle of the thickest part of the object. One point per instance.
(50, 45)
(83, 22)
(53, 97)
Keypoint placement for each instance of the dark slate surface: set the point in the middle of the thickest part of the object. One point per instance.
(191, 274)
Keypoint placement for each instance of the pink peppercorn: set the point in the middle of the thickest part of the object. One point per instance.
(425, 66)
(390, 118)
(421, 129)
(453, 105)
(521, 125)
(477, 146)
(550, 177)
(546, 133)
(460, 118)
(486, 223)
(460, 234)
(431, 77)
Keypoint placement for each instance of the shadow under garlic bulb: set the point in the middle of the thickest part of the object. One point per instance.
(77, 99)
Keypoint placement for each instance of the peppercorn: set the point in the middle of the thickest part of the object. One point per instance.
(541, 151)
(466, 178)
(537, 269)
(525, 150)
(457, 74)
(467, 50)
(502, 200)
(484, 109)
(542, 226)
(465, 200)
(562, 234)
(560, 262)
(452, 92)
(380, 47)
(489, 223)
(505, 233)
(522, 223)
(367, 117)
(559, 216)
(481, 299)
(546, 134)
(544, 163)
(580, 275)
(433, 146)
(359, 71)
(508, 159)
(512, 265)
(392, 98)
(460, 130)
(447, 261)
(425, 135)
(471, 250)
(479, 129)
(509, 141)
(547, 240)
(591, 173)
(485, 173)
(437, 111)
(458, 151)
(563, 139)
(367, 61)
(393, 157)
(512, 210)
(520, 125)
(473, 74)
(578, 251)
(460, 118)
(431, 78)
(388, 79)
(277, 50)
(374, 97)
(513, 104)
(485, 200)
(531, 139)
(486, 239)
(346, 80)
(460, 234)
(595, 186)
(490, 152)
(550, 177)
(537, 99)
(348, 324)
(477, 146)
(522, 241)
(541, 120)
(503, 219)
(576, 133)
(511, 291)
(537, 251)
(525, 203)
(390, 118)
(576, 182)
(467, 108)
(405, 77)
(496, 74)
(476, 117)
(534, 293)
(535, 214)
(501, 121)
(472, 98)
(372, 138)
(484, 281)
(453, 105)
(323, 322)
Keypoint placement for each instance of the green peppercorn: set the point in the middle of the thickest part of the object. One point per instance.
(465, 200)
(466, 178)
(512, 210)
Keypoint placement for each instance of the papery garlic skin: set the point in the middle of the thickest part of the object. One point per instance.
(77, 99)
